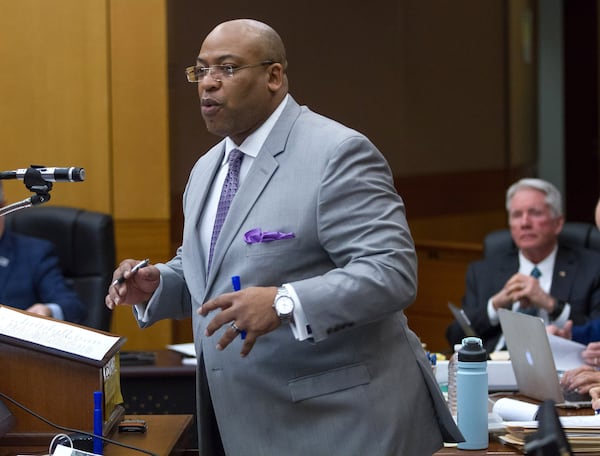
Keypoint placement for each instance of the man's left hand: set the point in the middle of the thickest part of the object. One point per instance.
(250, 310)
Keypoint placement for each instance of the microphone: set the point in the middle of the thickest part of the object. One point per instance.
(71, 174)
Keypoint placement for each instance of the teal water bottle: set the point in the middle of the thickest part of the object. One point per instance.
(472, 394)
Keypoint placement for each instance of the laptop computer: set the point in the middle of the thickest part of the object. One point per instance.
(532, 360)
(463, 321)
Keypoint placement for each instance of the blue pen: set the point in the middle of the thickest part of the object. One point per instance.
(597, 411)
(98, 420)
(237, 286)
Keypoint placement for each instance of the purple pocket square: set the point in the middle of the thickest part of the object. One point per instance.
(256, 235)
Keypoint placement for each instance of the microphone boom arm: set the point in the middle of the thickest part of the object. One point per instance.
(35, 183)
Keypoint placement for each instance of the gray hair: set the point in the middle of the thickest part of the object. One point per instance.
(553, 196)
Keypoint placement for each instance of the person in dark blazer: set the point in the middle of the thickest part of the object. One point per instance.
(555, 282)
(31, 278)
(314, 355)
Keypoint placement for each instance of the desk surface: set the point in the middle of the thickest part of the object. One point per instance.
(166, 435)
(166, 363)
(497, 448)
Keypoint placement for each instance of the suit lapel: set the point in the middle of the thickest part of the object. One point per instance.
(195, 197)
(565, 269)
(508, 266)
(254, 184)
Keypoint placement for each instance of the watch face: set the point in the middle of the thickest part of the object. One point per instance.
(284, 305)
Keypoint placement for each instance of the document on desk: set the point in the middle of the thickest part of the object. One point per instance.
(567, 353)
(185, 349)
(583, 423)
(55, 334)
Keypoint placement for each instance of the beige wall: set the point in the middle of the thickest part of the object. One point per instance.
(55, 95)
(84, 83)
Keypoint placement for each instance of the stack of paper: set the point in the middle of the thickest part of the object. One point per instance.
(582, 432)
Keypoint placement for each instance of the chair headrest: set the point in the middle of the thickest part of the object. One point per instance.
(573, 234)
(84, 239)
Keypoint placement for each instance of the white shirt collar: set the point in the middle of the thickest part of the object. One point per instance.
(254, 142)
(546, 266)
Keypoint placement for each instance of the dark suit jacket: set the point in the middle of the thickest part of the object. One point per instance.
(588, 332)
(30, 273)
(576, 280)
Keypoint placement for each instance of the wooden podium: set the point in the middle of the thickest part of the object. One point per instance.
(56, 383)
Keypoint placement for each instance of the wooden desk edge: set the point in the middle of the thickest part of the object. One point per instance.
(172, 432)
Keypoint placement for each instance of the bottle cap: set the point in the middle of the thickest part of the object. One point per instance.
(472, 350)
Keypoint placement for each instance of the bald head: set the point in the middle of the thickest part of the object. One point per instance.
(237, 104)
(262, 38)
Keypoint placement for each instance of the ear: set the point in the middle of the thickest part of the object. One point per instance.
(276, 77)
(560, 221)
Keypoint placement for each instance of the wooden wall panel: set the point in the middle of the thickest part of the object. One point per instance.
(139, 85)
(442, 269)
(84, 83)
(140, 146)
(55, 97)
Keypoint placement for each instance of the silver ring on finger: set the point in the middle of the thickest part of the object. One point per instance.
(235, 328)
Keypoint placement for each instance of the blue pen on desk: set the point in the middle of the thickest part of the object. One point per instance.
(98, 421)
(237, 286)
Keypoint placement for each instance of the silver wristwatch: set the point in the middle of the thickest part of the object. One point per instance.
(284, 304)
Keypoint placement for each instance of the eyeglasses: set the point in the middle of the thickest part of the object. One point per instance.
(218, 72)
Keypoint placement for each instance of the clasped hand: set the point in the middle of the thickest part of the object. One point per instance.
(525, 289)
(250, 309)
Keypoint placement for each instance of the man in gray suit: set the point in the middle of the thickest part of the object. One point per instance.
(314, 355)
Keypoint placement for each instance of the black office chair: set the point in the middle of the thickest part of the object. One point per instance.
(85, 244)
(573, 234)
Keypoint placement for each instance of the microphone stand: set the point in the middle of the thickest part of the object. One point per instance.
(36, 183)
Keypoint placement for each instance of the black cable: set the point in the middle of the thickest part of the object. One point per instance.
(66, 429)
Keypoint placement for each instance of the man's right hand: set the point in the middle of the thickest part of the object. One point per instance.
(135, 288)
(565, 331)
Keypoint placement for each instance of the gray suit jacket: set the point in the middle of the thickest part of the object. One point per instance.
(363, 385)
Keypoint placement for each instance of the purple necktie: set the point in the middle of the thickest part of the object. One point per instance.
(230, 186)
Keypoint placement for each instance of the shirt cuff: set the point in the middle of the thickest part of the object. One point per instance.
(141, 310)
(56, 310)
(564, 316)
(299, 325)
(492, 313)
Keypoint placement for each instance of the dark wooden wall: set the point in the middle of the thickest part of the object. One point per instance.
(432, 83)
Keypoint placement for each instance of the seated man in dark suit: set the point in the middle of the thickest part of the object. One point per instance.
(554, 282)
(31, 278)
